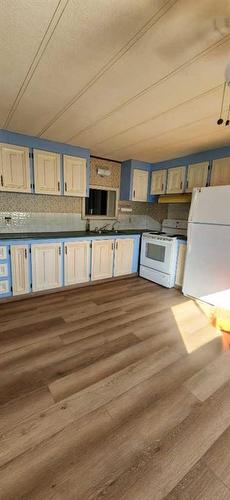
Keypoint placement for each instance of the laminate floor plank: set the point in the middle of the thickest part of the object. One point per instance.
(119, 390)
(200, 484)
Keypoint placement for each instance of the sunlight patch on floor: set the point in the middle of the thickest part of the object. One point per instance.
(194, 325)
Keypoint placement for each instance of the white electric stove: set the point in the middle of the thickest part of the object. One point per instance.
(159, 252)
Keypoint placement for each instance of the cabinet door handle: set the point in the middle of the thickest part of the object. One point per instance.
(25, 253)
(112, 246)
(58, 185)
(2, 180)
(116, 245)
(162, 187)
(66, 250)
(181, 185)
(65, 186)
(187, 184)
(59, 250)
(134, 193)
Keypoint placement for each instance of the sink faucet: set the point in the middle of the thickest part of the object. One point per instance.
(114, 224)
(100, 229)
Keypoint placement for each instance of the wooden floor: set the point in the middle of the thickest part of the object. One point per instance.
(116, 391)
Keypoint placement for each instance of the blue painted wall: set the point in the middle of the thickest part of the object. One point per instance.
(209, 155)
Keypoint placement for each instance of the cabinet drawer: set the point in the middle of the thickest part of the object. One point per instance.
(3, 253)
(4, 287)
(3, 270)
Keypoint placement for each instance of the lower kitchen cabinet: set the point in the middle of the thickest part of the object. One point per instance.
(77, 262)
(20, 269)
(123, 257)
(46, 266)
(102, 259)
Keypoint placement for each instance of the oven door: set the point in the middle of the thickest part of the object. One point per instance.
(157, 254)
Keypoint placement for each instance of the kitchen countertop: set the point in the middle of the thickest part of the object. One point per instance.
(67, 234)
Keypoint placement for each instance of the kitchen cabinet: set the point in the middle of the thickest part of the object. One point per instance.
(102, 259)
(220, 175)
(20, 269)
(197, 176)
(123, 257)
(158, 181)
(74, 176)
(134, 184)
(14, 169)
(140, 185)
(180, 264)
(77, 262)
(47, 172)
(46, 266)
(176, 180)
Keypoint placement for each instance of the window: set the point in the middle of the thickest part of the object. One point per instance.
(101, 203)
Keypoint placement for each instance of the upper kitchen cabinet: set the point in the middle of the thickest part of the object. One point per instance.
(197, 176)
(47, 172)
(140, 185)
(176, 180)
(158, 181)
(220, 172)
(135, 180)
(14, 168)
(74, 176)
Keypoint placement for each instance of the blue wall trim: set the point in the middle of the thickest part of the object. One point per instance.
(209, 155)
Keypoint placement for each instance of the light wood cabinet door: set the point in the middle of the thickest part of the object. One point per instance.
(197, 176)
(176, 180)
(77, 262)
(14, 169)
(47, 172)
(123, 258)
(102, 259)
(140, 185)
(74, 176)
(180, 265)
(220, 172)
(20, 269)
(158, 181)
(46, 266)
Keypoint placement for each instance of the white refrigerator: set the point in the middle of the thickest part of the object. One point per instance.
(207, 267)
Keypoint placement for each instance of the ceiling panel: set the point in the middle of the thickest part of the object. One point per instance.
(144, 66)
(126, 79)
(23, 25)
(87, 39)
(132, 122)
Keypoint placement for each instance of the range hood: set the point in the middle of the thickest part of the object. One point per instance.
(175, 198)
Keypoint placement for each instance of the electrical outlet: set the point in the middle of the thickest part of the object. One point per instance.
(130, 220)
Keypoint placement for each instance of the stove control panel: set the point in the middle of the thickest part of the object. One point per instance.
(158, 237)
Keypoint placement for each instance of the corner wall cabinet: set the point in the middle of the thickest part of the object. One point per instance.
(77, 262)
(220, 175)
(135, 180)
(197, 176)
(140, 185)
(46, 266)
(158, 181)
(74, 176)
(14, 169)
(176, 180)
(20, 269)
(47, 172)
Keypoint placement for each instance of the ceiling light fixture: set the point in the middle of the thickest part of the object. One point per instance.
(220, 120)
